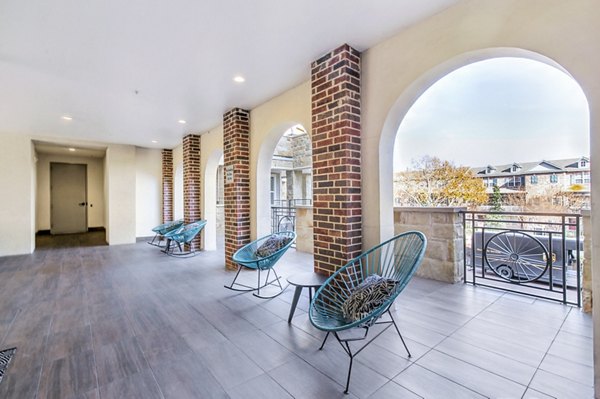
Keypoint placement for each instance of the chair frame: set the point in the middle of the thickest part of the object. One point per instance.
(372, 318)
(174, 234)
(163, 229)
(260, 264)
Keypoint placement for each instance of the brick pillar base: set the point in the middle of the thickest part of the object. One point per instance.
(167, 185)
(336, 146)
(191, 185)
(236, 156)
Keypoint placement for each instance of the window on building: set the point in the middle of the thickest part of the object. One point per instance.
(514, 181)
(581, 178)
(494, 181)
(553, 178)
(583, 164)
(534, 179)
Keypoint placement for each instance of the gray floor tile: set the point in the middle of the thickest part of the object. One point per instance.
(119, 360)
(229, 364)
(136, 386)
(263, 350)
(260, 387)
(560, 387)
(490, 361)
(188, 377)
(472, 377)
(391, 390)
(303, 381)
(565, 368)
(428, 384)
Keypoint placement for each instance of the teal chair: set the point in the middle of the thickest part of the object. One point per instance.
(252, 256)
(183, 235)
(161, 230)
(389, 266)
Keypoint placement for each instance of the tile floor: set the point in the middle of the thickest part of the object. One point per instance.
(130, 322)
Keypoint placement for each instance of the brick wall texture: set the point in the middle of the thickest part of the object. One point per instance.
(336, 148)
(191, 185)
(167, 185)
(236, 157)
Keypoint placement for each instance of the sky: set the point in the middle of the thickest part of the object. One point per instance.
(496, 111)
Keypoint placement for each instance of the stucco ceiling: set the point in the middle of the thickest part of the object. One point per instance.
(127, 71)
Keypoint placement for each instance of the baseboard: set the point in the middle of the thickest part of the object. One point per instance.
(91, 229)
(43, 233)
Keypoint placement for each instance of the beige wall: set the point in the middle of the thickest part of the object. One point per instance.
(211, 151)
(148, 190)
(178, 182)
(268, 122)
(398, 70)
(17, 204)
(120, 177)
(95, 188)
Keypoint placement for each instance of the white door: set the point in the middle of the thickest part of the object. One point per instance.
(68, 198)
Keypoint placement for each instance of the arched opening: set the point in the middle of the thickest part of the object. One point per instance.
(213, 201)
(405, 101)
(283, 175)
(530, 160)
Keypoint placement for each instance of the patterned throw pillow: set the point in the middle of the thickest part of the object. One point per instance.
(368, 296)
(272, 245)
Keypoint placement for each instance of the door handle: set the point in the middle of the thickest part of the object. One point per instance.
(82, 204)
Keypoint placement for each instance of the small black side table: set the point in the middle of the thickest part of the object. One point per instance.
(311, 280)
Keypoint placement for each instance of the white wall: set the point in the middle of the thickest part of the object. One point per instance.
(148, 189)
(95, 188)
(178, 182)
(120, 177)
(17, 205)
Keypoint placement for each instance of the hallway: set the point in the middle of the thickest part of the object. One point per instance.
(128, 321)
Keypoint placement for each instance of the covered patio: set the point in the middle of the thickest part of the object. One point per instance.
(127, 321)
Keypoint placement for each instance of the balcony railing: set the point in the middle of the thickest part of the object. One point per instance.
(530, 253)
(283, 214)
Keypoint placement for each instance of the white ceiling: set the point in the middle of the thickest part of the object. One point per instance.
(127, 71)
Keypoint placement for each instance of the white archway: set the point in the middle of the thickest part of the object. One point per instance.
(405, 101)
(263, 173)
(210, 199)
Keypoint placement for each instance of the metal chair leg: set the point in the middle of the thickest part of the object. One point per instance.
(325, 340)
(398, 331)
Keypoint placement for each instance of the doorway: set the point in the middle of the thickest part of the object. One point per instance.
(68, 198)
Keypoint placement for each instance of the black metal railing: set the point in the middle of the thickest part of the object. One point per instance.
(283, 214)
(537, 254)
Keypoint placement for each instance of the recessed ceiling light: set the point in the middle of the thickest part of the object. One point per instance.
(67, 117)
(182, 121)
(72, 149)
(155, 141)
(239, 79)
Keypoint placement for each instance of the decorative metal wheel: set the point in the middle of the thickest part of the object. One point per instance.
(516, 257)
(286, 223)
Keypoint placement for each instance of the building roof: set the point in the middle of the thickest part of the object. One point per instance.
(532, 168)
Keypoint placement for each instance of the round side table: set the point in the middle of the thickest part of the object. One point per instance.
(310, 280)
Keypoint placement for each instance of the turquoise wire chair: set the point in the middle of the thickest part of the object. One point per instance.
(246, 257)
(162, 229)
(396, 259)
(184, 235)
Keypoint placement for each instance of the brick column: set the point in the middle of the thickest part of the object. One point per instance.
(336, 152)
(236, 156)
(191, 184)
(167, 185)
